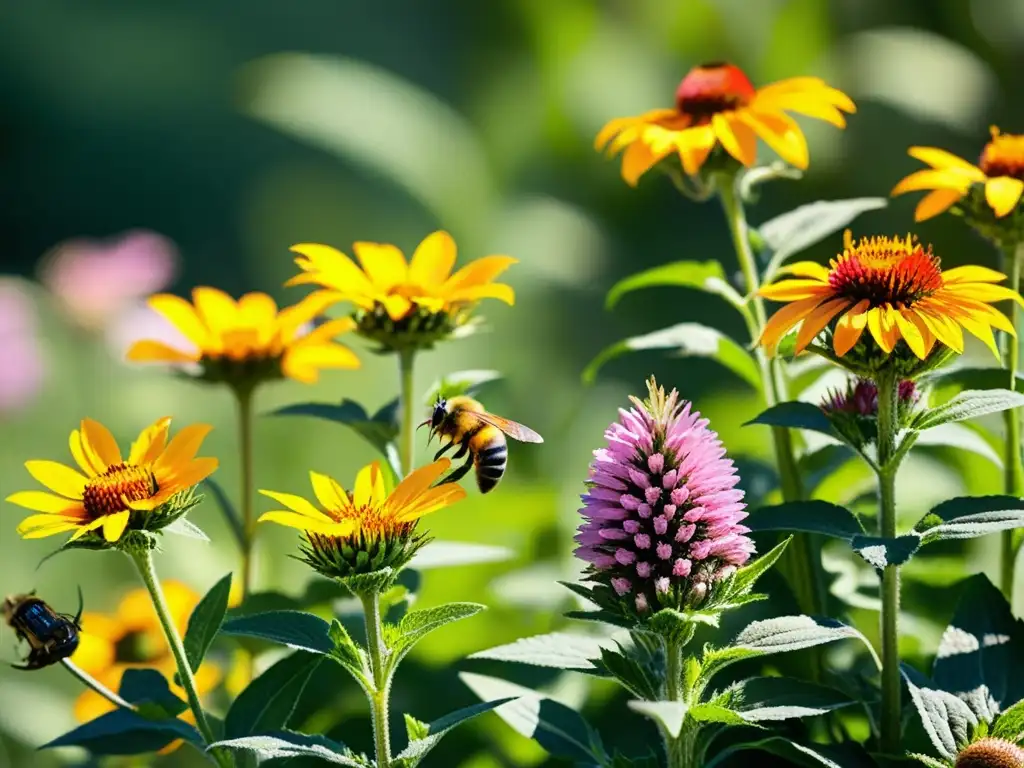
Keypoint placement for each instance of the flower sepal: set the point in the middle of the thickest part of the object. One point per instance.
(362, 564)
(867, 360)
(1002, 231)
(371, 583)
(419, 330)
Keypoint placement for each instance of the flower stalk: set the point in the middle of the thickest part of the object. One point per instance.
(91, 682)
(407, 434)
(888, 464)
(244, 398)
(678, 749)
(378, 654)
(1013, 462)
(143, 559)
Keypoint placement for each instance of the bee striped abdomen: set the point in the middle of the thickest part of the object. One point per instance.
(491, 458)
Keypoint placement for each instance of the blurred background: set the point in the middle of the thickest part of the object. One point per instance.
(147, 146)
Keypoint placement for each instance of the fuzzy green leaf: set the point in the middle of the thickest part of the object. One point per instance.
(760, 699)
(639, 666)
(969, 404)
(947, 720)
(379, 430)
(806, 516)
(705, 276)
(288, 744)
(556, 649)
(879, 552)
(416, 625)
(970, 517)
(437, 730)
(205, 622)
(744, 579)
(714, 660)
(124, 732)
(268, 701)
(302, 631)
(688, 340)
(669, 715)
(1010, 724)
(793, 633)
(716, 713)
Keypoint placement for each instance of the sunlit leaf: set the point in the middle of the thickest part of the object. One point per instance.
(437, 730)
(793, 633)
(879, 551)
(946, 719)
(969, 404)
(760, 699)
(556, 649)
(669, 715)
(974, 378)
(705, 276)
(148, 690)
(302, 631)
(796, 414)
(970, 517)
(288, 744)
(184, 527)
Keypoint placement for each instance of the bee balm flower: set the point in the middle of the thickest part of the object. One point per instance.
(662, 511)
(717, 104)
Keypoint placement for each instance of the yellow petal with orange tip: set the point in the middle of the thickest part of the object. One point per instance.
(328, 492)
(940, 158)
(431, 501)
(792, 290)
(114, 525)
(693, 158)
(151, 351)
(737, 138)
(416, 482)
(216, 309)
(183, 446)
(98, 437)
(808, 269)
(182, 315)
(784, 319)
(298, 505)
(479, 272)
(932, 179)
(41, 501)
(816, 321)
(195, 472)
(936, 202)
(780, 132)
(304, 523)
(880, 332)
(638, 159)
(58, 478)
(914, 316)
(150, 443)
(943, 328)
(383, 263)
(369, 486)
(1003, 193)
(87, 460)
(433, 260)
(850, 327)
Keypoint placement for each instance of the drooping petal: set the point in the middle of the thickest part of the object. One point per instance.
(877, 325)
(638, 159)
(784, 319)
(780, 132)
(58, 478)
(933, 179)
(940, 158)
(397, 306)
(303, 363)
(498, 291)
(911, 334)
(327, 331)
(1003, 193)
(478, 272)
(936, 202)
(809, 104)
(433, 260)
(383, 263)
(97, 437)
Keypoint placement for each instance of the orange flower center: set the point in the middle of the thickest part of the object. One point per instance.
(712, 88)
(106, 494)
(372, 520)
(1003, 156)
(885, 270)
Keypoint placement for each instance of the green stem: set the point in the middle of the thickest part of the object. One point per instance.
(1012, 463)
(888, 426)
(91, 682)
(407, 443)
(378, 654)
(244, 396)
(144, 563)
(799, 565)
(678, 750)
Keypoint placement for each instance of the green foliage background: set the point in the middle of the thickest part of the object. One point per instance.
(238, 129)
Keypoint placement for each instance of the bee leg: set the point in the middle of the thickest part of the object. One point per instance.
(461, 452)
(28, 666)
(444, 450)
(456, 475)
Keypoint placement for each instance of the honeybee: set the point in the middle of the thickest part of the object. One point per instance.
(51, 636)
(481, 435)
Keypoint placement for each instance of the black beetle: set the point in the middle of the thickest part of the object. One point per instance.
(51, 636)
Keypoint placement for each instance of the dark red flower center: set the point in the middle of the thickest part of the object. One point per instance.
(885, 271)
(712, 88)
(1003, 156)
(105, 494)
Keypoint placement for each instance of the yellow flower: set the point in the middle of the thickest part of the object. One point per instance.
(893, 287)
(1000, 172)
(717, 104)
(388, 282)
(131, 638)
(112, 492)
(248, 340)
(369, 529)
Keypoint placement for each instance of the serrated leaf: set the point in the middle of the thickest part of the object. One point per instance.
(124, 732)
(931, 762)
(184, 527)
(808, 517)
(558, 729)
(1010, 724)
(716, 713)
(288, 744)
(302, 631)
(947, 720)
(707, 276)
(974, 378)
(714, 660)
(969, 404)
(669, 715)
(415, 729)
(970, 517)
(796, 414)
(437, 730)
(268, 701)
(639, 668)
(793, 231)
(761, 699)
(348, 654)
(556, 649)
(416, 625)
(793, 633)
(744, 579)
(205, 622)
(878, 551)
(149, 691)
(688, 340)
(444, 554)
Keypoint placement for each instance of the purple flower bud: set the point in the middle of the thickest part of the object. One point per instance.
(621, 586)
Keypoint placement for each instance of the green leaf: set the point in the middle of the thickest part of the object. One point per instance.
(227, 509)
(761, 699)
(879, 552)
(688, 340)
(377, 430)
(714, 660)
(288, 744)
(793, 231)
(437, 730)
(302, 631)
(744, 579)
(716, 713)
(705, 276)
(415, 729)
(969, 404)
(1010, 724)
(558, 729)
(446, 554)
(556, 649)
(795, 754)
(183, 527)
(669, 715)
(416, 625)
(639, 666)
(947, 720)
(970, 517)
(205, 623)
(796, 414)
(974, 378)
(807, 516)
(931, 762)
(148, 690)
(124, 732)
(793, 633)
(349, 655)
(269, 700)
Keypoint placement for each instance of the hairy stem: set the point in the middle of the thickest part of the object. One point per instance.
(1013, 463)
(406, 438)
(144, 563)
(243, 397)
(91, 682)
(378, 653)
(888, 425)
(678, 750)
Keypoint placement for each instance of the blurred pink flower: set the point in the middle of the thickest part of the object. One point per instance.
(96, 280)
(21, 361)
(139, 321)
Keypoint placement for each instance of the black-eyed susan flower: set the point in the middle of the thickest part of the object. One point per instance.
(998, 177)
(402, 304)
(248, 341)
(131, 638)
(109, 494)
(368, 529)
(716, 104)
(896, 290)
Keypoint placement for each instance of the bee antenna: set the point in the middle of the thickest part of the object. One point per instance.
(422, 424)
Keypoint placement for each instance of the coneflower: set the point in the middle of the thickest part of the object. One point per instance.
(662, 511)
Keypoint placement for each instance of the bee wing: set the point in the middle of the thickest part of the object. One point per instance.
(511, 428)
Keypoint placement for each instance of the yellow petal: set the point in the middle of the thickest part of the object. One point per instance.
(182, 316)
(940, 158)
(981, 331)
(216, 309)
(87, 460)
(95, 653)
(298, 504)
(327, 331)
(784, 319)
(369, 486)
(792, 290)
(433, 260)
(498, 291)
(818, 318)
(972, 274)
(39, 526)
(693, 159)
(41, 501)
(150, 351)
(292, 318)
(738, 139)
(328, 492)
(433, 500)
(303, 363)
(58, 478)
(196, 471)
(850, 327)
(259, 311)
(638, 159)
(986, 292)
(416, 482)
(151, 442)
(942, 178)
(944, 329)
(114, 525)
(809, 269)
(333, 269)
(1003, 193)
(911, 335)
(98, 438)
(383, 263)
(303, 523)
(83, 529)
(479, 272)
(808, 104)
(183, 446)
(879, 330)
(397, 306)
(934, 203)
(780, 132)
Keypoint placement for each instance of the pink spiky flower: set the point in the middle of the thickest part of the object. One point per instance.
(662, 511)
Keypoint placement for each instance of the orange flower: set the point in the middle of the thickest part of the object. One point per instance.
(717, 104)
(896, 290)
